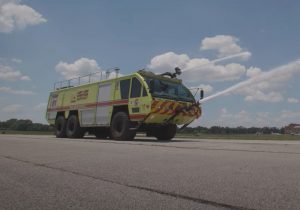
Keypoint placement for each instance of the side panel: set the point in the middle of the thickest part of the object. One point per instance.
(86, 98)
(87, 117)
(55, 100)
(103, 105)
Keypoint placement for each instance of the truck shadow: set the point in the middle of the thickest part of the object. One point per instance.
(141, 140)
(160, 141)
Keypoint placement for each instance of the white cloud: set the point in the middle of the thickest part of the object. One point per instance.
(256, 119)
(293, 100)
(241, 118)
(257, 95)
(290, 115)
(268, 86)
(13, 108)
(253, 72)
(167, 61)
(16, 92)
(262, 119)
(224, 44)
(80, 67)
(16, 16)
(196, 69)
(203, 69)
(9, 74)
(16, 60)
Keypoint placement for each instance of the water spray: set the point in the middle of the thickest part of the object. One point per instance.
(242, 54)
(285, 70)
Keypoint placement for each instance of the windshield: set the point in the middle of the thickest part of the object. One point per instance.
(170, 90)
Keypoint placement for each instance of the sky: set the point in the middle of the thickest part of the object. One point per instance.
(217, 44)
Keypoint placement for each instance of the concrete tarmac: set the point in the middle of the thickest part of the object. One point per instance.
(44, 172)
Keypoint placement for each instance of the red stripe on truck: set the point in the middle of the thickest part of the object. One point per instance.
(137, 116)
(89, 105)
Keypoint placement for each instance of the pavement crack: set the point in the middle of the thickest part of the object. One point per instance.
(148, 189)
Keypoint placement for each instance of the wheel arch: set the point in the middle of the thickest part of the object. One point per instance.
(121, 108)
(72, 112)
(67, 114)
(61, 113)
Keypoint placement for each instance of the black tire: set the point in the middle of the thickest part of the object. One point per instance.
(101, 133)
(60, 127)
(166, 132)
(120, 127)
(73, 128)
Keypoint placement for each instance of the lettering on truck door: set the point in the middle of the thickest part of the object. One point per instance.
(103, 105)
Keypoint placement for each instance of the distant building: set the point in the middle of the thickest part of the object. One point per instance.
(292, 129)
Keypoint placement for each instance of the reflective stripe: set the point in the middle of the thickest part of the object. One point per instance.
(167, 108)
(153, 105)
(137, 116)
(170, 107)
(161, 106)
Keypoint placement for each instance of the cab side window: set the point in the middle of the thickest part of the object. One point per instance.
(144, 92)
(136, 88)
(124, 86)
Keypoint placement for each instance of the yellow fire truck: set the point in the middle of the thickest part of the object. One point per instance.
(121, 106)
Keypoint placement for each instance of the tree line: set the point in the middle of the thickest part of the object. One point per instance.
(230, 130)
(24, 125)
(28, 125)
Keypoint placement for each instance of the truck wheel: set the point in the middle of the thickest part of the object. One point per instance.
(73, 129)
(101, 133)
(60, 127)
(166, 132)
(120, 127)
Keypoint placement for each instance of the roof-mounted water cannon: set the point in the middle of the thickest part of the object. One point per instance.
(177, 71)
(172, 75)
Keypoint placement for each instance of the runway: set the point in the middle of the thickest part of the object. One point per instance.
(43, 172)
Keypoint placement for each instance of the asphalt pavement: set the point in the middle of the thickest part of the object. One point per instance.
(44, 172)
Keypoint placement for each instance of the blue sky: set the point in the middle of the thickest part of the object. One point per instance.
(42, 42)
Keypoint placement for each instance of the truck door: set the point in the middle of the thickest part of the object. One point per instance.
(103, 105)
(139, 101)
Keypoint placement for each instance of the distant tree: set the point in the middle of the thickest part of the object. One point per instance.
(229, 130)
(21, 125)
(24, 125)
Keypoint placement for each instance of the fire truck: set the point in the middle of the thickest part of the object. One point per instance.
(119, 107)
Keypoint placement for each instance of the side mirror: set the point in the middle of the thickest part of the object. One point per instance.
(201, 94)
(151, 86)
